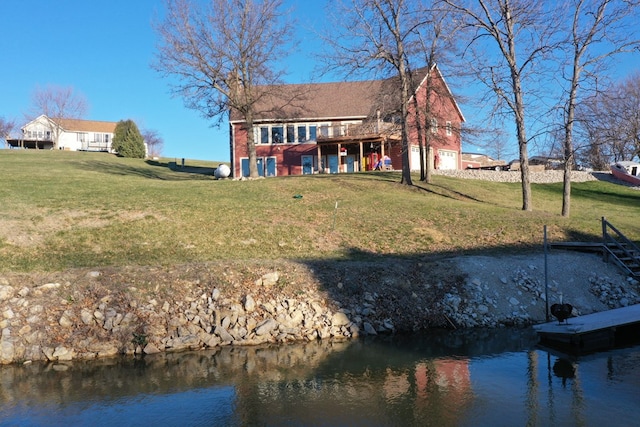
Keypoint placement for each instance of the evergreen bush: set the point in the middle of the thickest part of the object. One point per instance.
(127, 140)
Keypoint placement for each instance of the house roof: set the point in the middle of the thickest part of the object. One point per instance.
(78, 125)
(315, 101)
(356, 99)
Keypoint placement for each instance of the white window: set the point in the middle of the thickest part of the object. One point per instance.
(434, 125)
(264, 135)
(449, 132)
(290, 133)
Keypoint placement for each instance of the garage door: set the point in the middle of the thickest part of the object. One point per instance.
(447, 160)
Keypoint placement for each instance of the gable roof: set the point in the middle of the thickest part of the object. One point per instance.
(446, 86)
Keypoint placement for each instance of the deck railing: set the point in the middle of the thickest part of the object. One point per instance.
(617, 246)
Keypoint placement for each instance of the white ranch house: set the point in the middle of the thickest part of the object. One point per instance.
(71, 134)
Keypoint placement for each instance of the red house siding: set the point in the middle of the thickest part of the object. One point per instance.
(288, 156)
(442, 108)
(357, 102)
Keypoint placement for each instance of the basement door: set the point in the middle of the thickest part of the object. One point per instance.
(244, 163)
(307, 165)
(270, 167)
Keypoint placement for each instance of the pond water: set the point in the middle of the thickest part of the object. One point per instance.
(478, 378)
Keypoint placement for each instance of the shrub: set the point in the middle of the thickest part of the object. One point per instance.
(127, 140)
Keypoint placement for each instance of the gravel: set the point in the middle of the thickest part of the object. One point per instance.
(513, 287)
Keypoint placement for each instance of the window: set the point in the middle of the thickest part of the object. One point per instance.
(291, 135)
(82, 137)
(276, 134)
(106, 138)
(264, 135)
(449, 132)
(97, 137)
(302, 133)
(434, 125)
(324, 130)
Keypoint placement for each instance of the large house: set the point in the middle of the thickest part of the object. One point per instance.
(67, 134)
(347, 127)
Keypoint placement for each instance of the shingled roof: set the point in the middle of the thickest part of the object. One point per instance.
(357, 99)
(77, 125)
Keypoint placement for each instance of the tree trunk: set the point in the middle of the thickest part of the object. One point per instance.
(406, 170)
(421, 145)
(524, 177)
(251, 146)
(522, 135)
(524, 161)
(568, 152)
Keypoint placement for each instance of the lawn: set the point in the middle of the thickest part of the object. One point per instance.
(61, 210)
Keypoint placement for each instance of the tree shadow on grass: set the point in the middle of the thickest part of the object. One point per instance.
(181, 167)
(157, 171)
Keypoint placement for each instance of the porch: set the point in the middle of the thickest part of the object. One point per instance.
(34, 144)
(356, 153)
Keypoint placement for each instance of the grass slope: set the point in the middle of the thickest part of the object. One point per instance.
(73, 209)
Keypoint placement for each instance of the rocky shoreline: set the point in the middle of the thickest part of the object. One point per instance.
(87, 314)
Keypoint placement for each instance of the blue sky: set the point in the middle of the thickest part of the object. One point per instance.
(104, 48)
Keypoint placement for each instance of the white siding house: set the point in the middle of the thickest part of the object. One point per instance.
(70, 134)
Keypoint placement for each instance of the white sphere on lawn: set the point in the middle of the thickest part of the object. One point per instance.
(222, 171)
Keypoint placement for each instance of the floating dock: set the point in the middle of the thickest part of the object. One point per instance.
(592, 332)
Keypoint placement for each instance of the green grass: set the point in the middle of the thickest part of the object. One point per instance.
(70, 209)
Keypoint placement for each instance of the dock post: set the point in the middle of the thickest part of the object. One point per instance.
(605, 252)
(546, 277)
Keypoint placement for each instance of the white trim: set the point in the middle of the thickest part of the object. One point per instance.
(455, 103)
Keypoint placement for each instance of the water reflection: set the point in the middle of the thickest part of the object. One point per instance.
(445, 379)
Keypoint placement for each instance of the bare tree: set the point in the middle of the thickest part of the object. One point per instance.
(610, 123)
(627, 109)
(599, 30)
(6, 127)
(495, 141)
(56, 103)
(381, 35)
(154, 142)
(518, 34)
(224, 56)
(436, 41)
